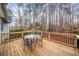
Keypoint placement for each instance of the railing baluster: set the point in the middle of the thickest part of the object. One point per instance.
(49, 35)
(61, 37)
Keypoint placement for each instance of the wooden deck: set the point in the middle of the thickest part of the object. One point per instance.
(49, 48)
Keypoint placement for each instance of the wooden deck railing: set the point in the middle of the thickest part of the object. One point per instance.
(64, 38)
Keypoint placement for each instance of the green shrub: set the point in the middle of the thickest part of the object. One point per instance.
(27, 33)
(17, 30)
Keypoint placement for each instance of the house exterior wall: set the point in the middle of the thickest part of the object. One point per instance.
(0, 30)
(5, 29)
(3, 25)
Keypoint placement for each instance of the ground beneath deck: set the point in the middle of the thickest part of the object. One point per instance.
(49, 48)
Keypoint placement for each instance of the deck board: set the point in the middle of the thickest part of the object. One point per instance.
(49, 48)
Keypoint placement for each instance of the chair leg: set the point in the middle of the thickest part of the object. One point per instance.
(23, 43)
(35, 42)
(31, 46)
(24, 46)
(42, 42)
(31, 49)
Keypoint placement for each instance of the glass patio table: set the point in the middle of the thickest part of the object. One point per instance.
(32, 40)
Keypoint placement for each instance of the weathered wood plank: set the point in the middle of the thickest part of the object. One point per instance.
(49, 48)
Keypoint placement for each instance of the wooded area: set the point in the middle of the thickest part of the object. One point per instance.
(53, 17)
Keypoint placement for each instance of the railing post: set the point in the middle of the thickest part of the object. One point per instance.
(41, 38)
(41, 34)
(8, 36)
(22, 35)
(49, 35)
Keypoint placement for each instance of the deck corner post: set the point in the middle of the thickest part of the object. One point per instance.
(48, 35)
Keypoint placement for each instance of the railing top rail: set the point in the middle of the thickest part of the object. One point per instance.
(58, 33)
(37, 31)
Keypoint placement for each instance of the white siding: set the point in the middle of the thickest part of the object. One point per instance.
(0, 30)
(5, 29)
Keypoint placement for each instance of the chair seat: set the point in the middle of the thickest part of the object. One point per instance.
(32, 39)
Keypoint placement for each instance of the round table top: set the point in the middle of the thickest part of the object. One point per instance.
(32, 36)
